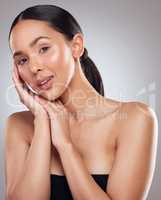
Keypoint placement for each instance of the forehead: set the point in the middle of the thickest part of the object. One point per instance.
(27, 30)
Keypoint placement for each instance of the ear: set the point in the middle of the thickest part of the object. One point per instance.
(77, 45)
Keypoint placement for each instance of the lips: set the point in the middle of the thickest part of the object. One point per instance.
(45, 83)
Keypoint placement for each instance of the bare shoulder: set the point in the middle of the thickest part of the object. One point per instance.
(139, 111)
(22, 123)
(139, 108)
(131, 118)
(138, 118)
(131, 108)
(136, 125)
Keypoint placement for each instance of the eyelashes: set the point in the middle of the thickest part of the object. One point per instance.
(19, 62)
(46, 48)
(22, 61)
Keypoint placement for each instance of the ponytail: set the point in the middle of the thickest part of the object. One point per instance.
(91, 72)
(61, 20)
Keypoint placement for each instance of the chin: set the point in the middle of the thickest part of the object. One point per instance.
(50, 95)
(53, 93)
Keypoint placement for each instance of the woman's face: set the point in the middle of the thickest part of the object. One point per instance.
(40, 52)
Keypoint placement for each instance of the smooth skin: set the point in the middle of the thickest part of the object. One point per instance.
(71, 129)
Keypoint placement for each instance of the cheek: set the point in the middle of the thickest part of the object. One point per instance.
(54, 57)
(54, 60)
(60, 54)
(58, 60)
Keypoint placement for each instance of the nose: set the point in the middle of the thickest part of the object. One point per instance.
(35, 64)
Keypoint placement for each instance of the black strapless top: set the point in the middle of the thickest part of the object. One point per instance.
(60, 189)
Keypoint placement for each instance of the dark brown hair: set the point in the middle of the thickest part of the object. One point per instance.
(62, 21)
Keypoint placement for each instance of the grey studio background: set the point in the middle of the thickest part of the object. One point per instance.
(124, 40)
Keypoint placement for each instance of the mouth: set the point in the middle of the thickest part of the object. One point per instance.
(46, 84)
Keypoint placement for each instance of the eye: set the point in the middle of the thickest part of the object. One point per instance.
(21, 61)
(44, 49)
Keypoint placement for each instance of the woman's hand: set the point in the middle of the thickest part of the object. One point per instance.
(27, 97)
(59, 121)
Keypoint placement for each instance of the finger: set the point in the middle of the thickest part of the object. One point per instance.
(18, 85)
(54, 105)
(22, 89)
(41, 100)
(18, 81)
(28, 90)
(61, 106)
(25, 94)
(47, 106)
(50, 110)
(15, 71)
(16, 75)
(62, 110)
(59, 102)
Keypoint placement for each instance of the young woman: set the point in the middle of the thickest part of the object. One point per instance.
(72, 143)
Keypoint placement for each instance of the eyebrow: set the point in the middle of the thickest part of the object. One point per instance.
(31, 45)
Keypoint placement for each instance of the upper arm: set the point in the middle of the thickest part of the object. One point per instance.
(16, 148)
(133, 168)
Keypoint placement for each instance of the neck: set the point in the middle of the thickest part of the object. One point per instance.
(80, 98)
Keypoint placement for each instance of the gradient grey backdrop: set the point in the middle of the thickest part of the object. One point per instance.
(122, 37)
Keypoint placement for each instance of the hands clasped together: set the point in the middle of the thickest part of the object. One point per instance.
(55, 112)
